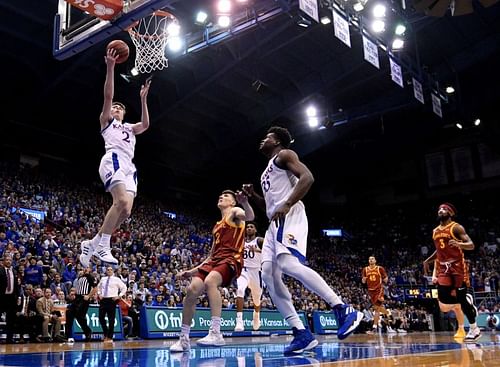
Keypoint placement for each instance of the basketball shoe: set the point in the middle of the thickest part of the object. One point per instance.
(104, 254)
(348, 320)
(460, 334)
(302, 340)
(87, 252)
(256, 320)
(181, 345)
(213, 339)
(239, 324)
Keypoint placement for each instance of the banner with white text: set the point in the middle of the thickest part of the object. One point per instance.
(162, 322)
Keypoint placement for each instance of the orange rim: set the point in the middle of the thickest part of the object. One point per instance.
(158, 13)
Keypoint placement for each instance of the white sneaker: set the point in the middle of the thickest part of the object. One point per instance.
(71, 340)
(212, 339)
(181, 345)
(256, 321)
(473, 335)
(239, 325)
(390, 330)
(87, 251)
(104, 254)
(402, 331)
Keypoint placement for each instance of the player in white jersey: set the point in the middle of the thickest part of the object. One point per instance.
(117, 171)
(250, 277)
(285, 181)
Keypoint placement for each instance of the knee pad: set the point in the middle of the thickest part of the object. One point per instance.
(445, 295)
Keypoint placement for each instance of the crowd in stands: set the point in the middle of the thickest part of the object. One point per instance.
(152, 248)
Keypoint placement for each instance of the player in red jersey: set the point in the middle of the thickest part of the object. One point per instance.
(451, 271)
(374, 276)
(222, 266)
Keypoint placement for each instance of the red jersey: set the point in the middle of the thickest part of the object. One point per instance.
(445, 252)
(374, 276)
(229, 242)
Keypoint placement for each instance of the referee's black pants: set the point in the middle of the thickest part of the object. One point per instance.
(78, 310)
(107, 307)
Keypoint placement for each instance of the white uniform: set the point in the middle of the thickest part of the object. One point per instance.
(250, 275)
(289, 235)
(116, 165)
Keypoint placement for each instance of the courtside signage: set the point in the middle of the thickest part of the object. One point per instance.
(325, 322)
(162, 322)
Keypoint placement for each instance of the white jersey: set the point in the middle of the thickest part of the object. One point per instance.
(252, 255)
(120, 138)
(277, 185)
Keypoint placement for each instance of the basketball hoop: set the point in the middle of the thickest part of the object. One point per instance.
(150, 37)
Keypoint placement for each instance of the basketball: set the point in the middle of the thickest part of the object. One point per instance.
(121, 49)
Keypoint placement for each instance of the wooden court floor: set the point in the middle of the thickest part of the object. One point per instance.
(414, 349)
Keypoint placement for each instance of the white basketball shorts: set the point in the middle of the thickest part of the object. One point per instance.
(116, 169)
(250, 278)
(287, 236)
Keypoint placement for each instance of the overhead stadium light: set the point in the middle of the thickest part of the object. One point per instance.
(398, 44)
(224, 21)
(311, 111)
(201, 17)
(450, 90)
(400, 30)
(325, 20)
(224, 6)
(313, 121)
(477, 122)
(378, 26)
(379, 10)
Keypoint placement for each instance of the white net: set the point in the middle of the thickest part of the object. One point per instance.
(150, 37)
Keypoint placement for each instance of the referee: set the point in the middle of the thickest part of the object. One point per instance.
(86, 288)
(110, 289)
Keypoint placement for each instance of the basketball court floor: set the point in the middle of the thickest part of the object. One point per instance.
(414, 349)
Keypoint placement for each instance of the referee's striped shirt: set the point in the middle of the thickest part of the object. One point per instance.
(84, 284)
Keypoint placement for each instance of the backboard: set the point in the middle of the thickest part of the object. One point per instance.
(75, 31)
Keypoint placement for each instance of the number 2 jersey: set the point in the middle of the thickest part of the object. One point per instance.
(228, 244)
(119, 138)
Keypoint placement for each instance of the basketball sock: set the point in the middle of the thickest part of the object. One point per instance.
(96, 240)
(282, 299)
(216, 324)
(185, 329)
(291, 266)
(239, 315)
(473, 325)
(105, 240)
(294, 321)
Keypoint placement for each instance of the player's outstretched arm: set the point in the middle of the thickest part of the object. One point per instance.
(249, 190)
(109, 87)
(143, 125)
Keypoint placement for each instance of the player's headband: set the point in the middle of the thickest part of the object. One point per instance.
(450, 208)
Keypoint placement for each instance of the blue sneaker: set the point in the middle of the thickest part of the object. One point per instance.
(302, 340)
(348, 319)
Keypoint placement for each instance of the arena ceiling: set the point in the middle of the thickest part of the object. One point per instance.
(207, 114)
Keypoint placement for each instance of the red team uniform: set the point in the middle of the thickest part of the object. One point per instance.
(227, 252)
(374, 276)
(452, 270)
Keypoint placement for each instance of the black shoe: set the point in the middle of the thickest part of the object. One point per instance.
(60, 339)
(88, 338)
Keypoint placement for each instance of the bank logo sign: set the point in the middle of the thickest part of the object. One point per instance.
(169, 320)
(325, 322)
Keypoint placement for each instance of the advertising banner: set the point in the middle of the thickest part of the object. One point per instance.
(95, 325)
(162, 322)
